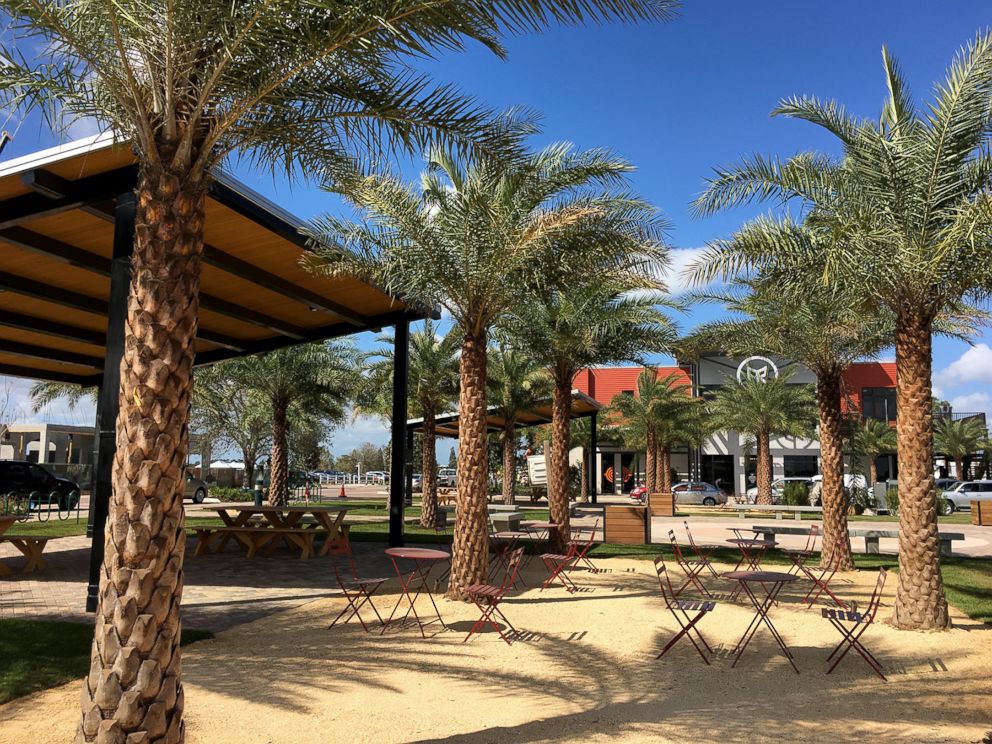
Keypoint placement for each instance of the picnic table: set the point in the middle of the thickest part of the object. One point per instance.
(771, 582)
(31, 546)
(423, 561)
(263, 527)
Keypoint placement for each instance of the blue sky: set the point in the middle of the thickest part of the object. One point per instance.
(680, 98)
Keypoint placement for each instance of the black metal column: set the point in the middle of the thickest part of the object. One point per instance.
(408, 474)
(110, 390)
(397, 466)
(593, 471)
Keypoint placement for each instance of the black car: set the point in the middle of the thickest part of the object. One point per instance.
(26, 478)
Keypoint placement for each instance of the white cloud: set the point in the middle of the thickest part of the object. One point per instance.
(83, 127)
(971, 402)
(353, 433)
(974, 365)
(677, 277)
(15, 400)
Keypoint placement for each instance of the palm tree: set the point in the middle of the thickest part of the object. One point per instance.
(516, 384)
(310, 379)
(433, 389)
(873, 438)
(762, 410)
(823, 327)
(474, 238)
(42, 394)
(959, 438)
(601, 321)
(298, 84)
(908, 207)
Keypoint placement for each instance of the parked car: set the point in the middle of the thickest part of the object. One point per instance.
(377, 476)
(23, 477)
(196, 489)
(961, 495)
(639, 495)
(447, 477)
(778, 487)
(698, 492)
(418, 481)
(946, 484)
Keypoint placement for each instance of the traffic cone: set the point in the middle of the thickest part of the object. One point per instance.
(341, 493)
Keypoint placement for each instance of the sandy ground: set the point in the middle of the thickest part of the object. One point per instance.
(584, 671)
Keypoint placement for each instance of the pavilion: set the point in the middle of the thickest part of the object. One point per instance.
(67, 224)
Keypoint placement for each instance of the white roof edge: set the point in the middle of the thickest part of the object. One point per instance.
(57, 153)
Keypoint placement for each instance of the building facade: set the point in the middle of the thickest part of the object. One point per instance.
(726, 460)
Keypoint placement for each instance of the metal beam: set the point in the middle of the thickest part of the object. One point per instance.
(246, 207)
(40, 291)
(20, 209)
(397, 465)
(30, 323)
(31, 373)
(593, 446)
(30, 351)
(109, 402)
(247, 315)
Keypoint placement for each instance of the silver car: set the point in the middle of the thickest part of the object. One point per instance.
(961, 495)
(698, 492)
(196, 489)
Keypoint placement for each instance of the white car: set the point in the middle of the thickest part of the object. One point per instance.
(961, 495)
(698, 492)
(377, 477)
(447, 477)
(778, 487)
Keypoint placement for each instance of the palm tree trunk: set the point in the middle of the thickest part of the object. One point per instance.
(561, 400)
(509, 462)
(872, 471)
(920, 600)
(665, 470)
(133, 689)
(764, 468)
(248, 474)
(959, 467)
(428, 483)
(649, 458)
(584, 478)
(279, 476)
(470, 545)
(836, 539)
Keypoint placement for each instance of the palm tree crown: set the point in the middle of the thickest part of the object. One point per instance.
(959, 438)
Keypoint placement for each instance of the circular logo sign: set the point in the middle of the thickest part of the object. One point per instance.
(757, 368)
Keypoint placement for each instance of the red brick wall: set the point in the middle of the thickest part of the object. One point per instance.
(605, 383)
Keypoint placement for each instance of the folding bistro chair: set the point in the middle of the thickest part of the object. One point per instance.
(580, 548)
(701, 555)
(858, 625)
(799, 556)
(821, 582)
(488, 596)
(358, 592)
(692, 569)
(680, 609)
(558, 565)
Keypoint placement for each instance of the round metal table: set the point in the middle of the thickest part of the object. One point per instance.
(423, 560)
(771, 582)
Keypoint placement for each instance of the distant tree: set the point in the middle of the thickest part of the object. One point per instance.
(452, 458)
(872, 438)
(43, 393)
(959, 438)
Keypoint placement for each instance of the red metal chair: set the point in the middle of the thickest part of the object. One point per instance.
(799, 556)
(858, 625)
(821, 582)
(680, 609)
(488, 596)
(358, 592)
(692, 569)
(701, 555)
(558, 565)
(580, 547)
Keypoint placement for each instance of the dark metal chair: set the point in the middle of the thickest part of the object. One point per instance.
(558, 565)
(692, 569)
(488, 596)
(701, 555)
(681, 609)
(356, 591)
(821, 581)
(580, 547)
(859, 623)
(800, 556)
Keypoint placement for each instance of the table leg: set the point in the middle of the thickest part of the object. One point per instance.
(761, 616)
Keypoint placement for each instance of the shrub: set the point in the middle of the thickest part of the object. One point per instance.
(231, 494)
(795, 494)
(941, 503)
(892, 499)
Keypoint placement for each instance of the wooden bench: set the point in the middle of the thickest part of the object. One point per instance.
(777, 509)
(254, 539)
(872, 537)
(31, 547)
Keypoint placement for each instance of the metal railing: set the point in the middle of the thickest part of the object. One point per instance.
(25, 504)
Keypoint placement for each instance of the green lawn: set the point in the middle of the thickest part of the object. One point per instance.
(37, 654)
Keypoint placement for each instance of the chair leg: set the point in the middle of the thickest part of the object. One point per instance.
(685, 631)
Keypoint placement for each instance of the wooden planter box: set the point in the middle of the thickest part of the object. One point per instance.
(627, 525)
(662, 504)
(981, 513)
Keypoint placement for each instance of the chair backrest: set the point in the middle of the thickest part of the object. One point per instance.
(876, 596)
(664, 581)
(590, 535)
(679, 558)
(512, 569)
(688, 533)
(814, 531)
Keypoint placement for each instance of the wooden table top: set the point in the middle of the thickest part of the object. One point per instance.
(281, 509)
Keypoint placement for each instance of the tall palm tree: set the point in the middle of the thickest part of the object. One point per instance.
(42, 394)
(871, 439)
(312, 379)
(826, 328)
(475, 238)
(775, 407)
(908, 206)
(596, 321)
(433, 389)
(959, 438)
(297, 84)
(516, 384)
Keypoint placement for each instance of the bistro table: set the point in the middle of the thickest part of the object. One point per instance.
(285, 522)
(752, 551)
(771, 582)
(423, 561)
(537, 532)
(504, 544)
